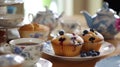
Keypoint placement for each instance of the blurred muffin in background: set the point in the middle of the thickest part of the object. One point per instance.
(34, 30)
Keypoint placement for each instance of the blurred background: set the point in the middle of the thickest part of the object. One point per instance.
(70, 7)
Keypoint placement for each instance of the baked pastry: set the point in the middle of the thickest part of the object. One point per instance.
(34, 30)
(67, 44)
(92, 40)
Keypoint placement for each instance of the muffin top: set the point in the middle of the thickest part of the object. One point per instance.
(67, 39)
(34, 27)
(91, 36)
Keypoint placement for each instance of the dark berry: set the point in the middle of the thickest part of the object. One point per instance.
(91, 39)
(92, 30)
(61, 39)
(79, 43)
(83, 54)
(61, 32)
(92, 51)
(94, 54)
(73, 38)
(88, 53)
(85, 32)
(98, 53)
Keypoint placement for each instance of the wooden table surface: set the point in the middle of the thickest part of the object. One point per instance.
(57, 62)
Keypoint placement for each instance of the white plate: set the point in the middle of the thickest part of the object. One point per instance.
(43, 63)
(40, 63)
(105, 49)
(109, 62)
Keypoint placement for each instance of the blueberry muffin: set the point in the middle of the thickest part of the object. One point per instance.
(92, 40)
(34, 30)
(67, 44)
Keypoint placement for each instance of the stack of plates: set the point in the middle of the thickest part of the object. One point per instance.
(10, 20)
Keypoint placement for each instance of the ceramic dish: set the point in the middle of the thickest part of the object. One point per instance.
(40, 63)
(106, 49)
(11, 60)
(109, 62)
(43, 63)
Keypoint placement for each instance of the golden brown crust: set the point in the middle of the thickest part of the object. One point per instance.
(92, 40)
(67, 45)
(39, 27)
(87, 36)
(65, 49)
(98, 37)
(27, 27)
(34, 27)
